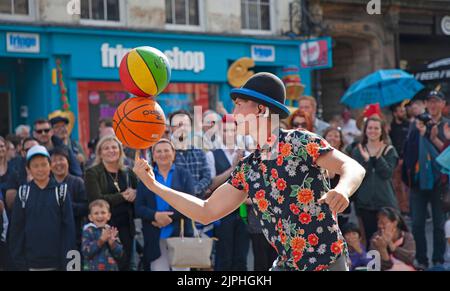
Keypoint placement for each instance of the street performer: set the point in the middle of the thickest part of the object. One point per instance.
(284, 178)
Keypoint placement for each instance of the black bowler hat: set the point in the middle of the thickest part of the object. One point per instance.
(266, 89)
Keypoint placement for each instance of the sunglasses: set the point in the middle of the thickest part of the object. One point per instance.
(41, 131)
(299, 124)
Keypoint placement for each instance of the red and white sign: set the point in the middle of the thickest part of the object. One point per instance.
(314, 54)
(94, 98)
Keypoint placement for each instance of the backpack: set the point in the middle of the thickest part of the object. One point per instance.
(60, 194)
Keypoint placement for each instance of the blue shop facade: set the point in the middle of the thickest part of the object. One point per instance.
(33, 59)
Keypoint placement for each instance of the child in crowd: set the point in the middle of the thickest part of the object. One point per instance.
(357, 250)
(42, 227)
(101, 247)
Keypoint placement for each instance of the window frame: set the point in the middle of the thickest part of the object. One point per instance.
(190, 27)
(31, 16)
(272, 23)
(96, 22)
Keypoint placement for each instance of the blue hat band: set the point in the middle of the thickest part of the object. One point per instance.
(261, 97)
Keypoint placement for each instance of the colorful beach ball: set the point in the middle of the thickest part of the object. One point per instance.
(145, 71)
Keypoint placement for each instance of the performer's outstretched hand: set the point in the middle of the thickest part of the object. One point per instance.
(337, 202)
(143, 171)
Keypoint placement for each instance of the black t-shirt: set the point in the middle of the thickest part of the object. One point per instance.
(398, 135)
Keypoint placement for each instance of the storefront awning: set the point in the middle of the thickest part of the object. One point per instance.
(435, 71)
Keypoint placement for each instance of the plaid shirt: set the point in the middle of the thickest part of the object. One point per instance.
(194, 160)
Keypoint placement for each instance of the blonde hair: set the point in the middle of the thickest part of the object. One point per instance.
(99, 203)
(98, 149)
(310, 99)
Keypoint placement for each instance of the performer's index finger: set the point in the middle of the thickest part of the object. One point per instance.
(137, 155)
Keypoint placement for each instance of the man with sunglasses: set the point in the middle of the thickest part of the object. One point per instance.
(43, 132)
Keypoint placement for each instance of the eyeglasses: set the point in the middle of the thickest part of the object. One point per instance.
(41, 131)
(299, 124)
(60, 125)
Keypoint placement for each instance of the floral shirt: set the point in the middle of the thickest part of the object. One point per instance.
(285, 193)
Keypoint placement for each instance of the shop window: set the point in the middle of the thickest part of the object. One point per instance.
(256, 15)
(16, 9)
(183, 12)
(99, 100)
(100, 10)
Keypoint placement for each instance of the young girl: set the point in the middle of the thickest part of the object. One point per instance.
(379, 160)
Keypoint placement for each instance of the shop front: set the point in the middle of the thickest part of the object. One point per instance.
(435, 74)
(38, 65)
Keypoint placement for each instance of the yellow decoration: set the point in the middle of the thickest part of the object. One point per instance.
(54, 77)
(238, 72)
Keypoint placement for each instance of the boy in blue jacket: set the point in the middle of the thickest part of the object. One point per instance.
(100, 245)
(42, 227)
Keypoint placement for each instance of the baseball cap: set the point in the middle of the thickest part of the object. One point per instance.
(37, 150)
(437, 95)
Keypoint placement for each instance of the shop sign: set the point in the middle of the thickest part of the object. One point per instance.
(180, 60)
(94, 98)
(316, 54)
(22, 42)
(263, 53)
(433, 75)
(445, 25)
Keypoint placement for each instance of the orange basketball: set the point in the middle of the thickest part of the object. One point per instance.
(139, 122)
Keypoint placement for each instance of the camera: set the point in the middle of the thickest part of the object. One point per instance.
(425, 118)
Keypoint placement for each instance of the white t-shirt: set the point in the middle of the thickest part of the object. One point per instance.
(350, 131)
